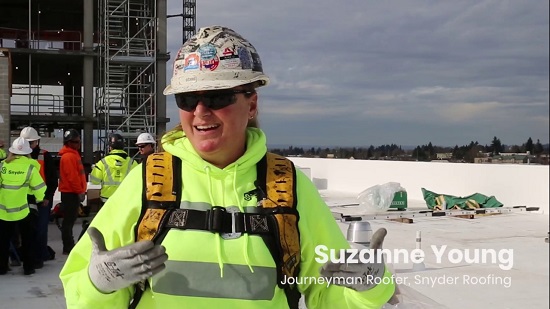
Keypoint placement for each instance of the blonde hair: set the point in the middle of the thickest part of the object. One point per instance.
(12, 156)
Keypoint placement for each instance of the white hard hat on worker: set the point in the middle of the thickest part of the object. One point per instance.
(215, 58)
(145, 138)
(30, 134)
(20, 146)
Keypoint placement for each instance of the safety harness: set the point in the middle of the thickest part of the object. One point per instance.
(276, 221)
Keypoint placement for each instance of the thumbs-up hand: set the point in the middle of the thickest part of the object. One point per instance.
(112, 270)
(358, 276)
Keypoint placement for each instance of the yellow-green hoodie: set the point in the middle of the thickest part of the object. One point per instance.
(204, 270)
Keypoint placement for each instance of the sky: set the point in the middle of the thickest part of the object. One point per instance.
(405, 72)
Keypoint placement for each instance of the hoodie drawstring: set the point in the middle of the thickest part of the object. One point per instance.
(218, 240)
(241, 209)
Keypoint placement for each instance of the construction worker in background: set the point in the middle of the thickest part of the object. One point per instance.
(19, 176)
(72, 185)
(3, 153)
(48, 171)
(111, 169)
(146, 145)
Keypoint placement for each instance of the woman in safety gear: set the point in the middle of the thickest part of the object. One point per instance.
(215, 78)
(19, 176)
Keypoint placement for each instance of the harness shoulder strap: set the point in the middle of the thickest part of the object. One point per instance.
(161, 193)
(276, 177)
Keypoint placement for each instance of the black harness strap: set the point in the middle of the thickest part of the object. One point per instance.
(218, 220)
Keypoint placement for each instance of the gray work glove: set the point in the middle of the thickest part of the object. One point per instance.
(369, 274)
(81, 197)
(119, 268)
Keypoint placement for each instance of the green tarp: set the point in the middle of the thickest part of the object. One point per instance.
(476, 200)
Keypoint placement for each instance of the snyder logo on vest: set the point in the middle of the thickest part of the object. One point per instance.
(13, 172)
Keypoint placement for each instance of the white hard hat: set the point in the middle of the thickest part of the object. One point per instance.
(215, 58)
(145, 138)
(20, 146)
(30, 134)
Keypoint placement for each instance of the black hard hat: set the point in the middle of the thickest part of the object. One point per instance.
(70, 135)
(116, 141)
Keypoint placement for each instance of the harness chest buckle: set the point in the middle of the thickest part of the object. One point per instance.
(214, 219)
(237, 223)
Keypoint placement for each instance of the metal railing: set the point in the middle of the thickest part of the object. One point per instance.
(43, 39)
(45, 104)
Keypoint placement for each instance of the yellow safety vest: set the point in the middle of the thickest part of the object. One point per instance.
(110, 171)
(17, 179)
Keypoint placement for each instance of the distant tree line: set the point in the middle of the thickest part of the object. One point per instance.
(465, 153)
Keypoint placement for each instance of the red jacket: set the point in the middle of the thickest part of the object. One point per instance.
(72, 178)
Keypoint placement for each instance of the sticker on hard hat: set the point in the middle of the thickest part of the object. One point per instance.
(192, 62)
(244, 56)
(211, 64)
(209, 59)
(230, 62)
(228, 51)
(178, 67)
(181, 54)
(207, 51)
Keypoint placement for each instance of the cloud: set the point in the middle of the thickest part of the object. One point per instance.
(407, 71)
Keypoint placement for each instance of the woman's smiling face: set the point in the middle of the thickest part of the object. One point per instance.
(219, 135)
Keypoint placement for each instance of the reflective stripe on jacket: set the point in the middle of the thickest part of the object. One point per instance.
(111, 170)
(17, 179)
(203, 269)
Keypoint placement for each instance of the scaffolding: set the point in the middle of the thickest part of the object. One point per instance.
(97, 66)
(126, 99)
(189, 19)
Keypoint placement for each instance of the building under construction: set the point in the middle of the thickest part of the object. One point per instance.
(98, 66)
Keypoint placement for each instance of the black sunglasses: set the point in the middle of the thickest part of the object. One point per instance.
(213, 99)
(142, 146)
